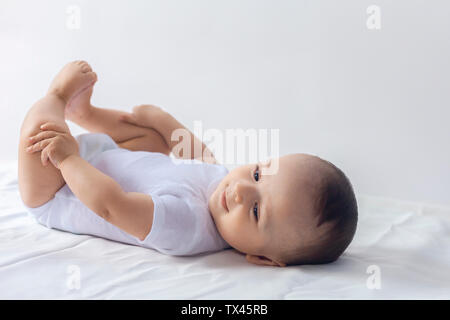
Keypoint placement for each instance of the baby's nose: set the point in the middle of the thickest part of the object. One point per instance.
(237, 198)
(240, 190)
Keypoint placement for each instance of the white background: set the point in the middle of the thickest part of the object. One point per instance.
(374, 102)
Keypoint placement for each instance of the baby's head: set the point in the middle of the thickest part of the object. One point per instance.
(304, 213)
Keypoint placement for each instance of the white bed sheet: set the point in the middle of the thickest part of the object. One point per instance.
(407, 242)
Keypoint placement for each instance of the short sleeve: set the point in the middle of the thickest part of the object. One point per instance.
(174, 226)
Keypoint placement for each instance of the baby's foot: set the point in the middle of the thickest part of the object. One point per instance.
(80, 105)
(72, 79)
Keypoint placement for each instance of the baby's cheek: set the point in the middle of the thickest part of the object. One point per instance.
(230, 228)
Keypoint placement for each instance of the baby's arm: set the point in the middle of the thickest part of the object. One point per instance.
(130, 211)
(154, 117)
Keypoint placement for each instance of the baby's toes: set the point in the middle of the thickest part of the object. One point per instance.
(92, 76)
(74, 64)
(85, 67)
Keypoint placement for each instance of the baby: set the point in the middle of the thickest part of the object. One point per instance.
(119, 182)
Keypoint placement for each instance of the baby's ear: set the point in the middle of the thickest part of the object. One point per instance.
(261, 260)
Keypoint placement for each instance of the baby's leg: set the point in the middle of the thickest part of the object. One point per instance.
(38, 184)
(128, 136)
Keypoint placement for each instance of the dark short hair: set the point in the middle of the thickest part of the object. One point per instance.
(335, 205)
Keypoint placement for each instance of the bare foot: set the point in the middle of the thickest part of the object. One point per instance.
(71, 80)
(80, 105)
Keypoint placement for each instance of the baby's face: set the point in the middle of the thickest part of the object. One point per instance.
(258, 211)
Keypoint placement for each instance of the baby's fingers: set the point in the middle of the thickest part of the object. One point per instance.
(54, 126)
(41, 136)
(44, 157)
(38, 146)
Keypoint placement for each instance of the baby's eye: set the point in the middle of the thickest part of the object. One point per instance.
(255, 210)
(256, 173)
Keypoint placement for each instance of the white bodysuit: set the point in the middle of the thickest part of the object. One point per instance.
(180, 189)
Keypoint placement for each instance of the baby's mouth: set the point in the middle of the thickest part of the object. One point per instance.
(224, 200)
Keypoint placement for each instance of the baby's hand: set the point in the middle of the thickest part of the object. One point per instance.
(55, 142)
(143, 115)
